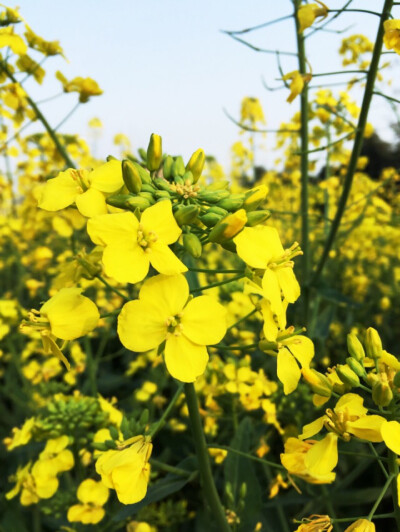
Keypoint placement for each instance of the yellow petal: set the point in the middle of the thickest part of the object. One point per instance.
(302, 348)
(185, 360)
(59, 192)
(107, 177)
(270, 327)
(159, 219)
(272, 291)
(90, 491)
(391, 435)
(367, 428)
(164, 260)
(91, 203)
(15, 42)
(141, 325)
(288, 371)
(204, 321)
(323, 456)
(169, 292)
(253, 245)
(288, 283)
(312, 428)
(127, 263)
(111, 228)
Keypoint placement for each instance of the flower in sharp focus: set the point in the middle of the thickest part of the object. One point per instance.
(163, 313)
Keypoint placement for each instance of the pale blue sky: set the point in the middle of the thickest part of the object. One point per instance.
(165, 67)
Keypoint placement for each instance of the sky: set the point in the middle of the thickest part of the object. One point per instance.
(166, 67)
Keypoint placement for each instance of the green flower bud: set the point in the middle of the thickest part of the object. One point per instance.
(143, 173)
(113, 432)
(138, 202)
(210, 219)
(257, 217)
(99, 446)
(213, 196)
(396, 380)
(356, 366)
(162, 194)
(188, 178)
(255, 197)
(218, 210)
(196, 164)
(126, 201)
(318, 383)
(382, 394)
(143, 155)
(355, 347)
(186, 214)
(154, 152)
(162, 184)
(231, 203)
(131, 177)
(178, 167)
(148, 188)
(167, 166)
(148, 196)
(373, 343)
(192, 245)
(347, 375)
(228, 227)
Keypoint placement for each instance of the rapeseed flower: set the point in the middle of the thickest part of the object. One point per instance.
(92, 496)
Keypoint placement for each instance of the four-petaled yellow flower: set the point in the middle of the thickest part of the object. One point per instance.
(131, 246)
(87, 190)
(308, 13)
(92, 496)
(163, 312)
(127, 469)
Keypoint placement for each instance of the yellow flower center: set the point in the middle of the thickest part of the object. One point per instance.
(174, 325)
(82, 182)
(337, 422)
(286, 260)
(186, 190)
(146, 239)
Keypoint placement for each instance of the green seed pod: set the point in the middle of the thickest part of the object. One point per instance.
(178, 167)
(154, 152)
(131, 177)
(196, 164)
(347, 375)
(192, 245)
(355, 347)
(167, 166)
(186, 214)
(257, 217)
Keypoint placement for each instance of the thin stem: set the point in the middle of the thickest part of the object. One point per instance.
(357, 142)
(379, 458)
(75, 107)
(327, 146)
(205, 270)
(246, 455)
(112, 288)
(259, 26)
(305, 230)
(380, 497)
(242, 319)
(394, 471)
(257, 49)
(61, 149)
(219, 283)
(254, 130)
(161, 422)
(348, 519)
(170, 469)
(207, 480)
(234, 347)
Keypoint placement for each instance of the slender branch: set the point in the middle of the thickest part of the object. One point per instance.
(380, 497)
(357, 143)
(256, 49)
(259, 26)
(67, 116)
(161, 422)
(246, 455)
(112, 288)
(254, 130)
(394, 471)
(386, 96)
(209, 489)
(219, 283)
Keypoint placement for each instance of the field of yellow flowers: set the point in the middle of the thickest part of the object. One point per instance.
(184, 348)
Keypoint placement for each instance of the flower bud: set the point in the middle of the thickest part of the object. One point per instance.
(317, 381)
(154, 152)
(143, 173)
(355, 347)
(162, 184)
(356, 366)
(373, 343)
(347, 375)
(213, 196)
(196, 164)
(382, 394)
(210, 219)
(257, 217)
(228, 227)
(396, 380)
(186, 214)
(231, 203)
(192, 245)
(255, 197)
(131, 177)
(167, 166)
(178, 167)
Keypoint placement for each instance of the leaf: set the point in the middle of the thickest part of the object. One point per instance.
(323, 322)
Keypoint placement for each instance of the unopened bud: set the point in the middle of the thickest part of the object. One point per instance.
(167, 166)
(154, 152)
(347, 375)
(317, 381)
(229, 226)
(178, 167)
(255, 197)
(373, 343)
(382, 394)
(356, 366)
(213, 196)
(257, 217)
(113, 432)
(131, 177)
(210, 219)
(355, 347)
(192, 245)
(186, 214)
(231, 203)
(196, 164)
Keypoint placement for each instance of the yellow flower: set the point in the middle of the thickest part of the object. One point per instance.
(15, 42)
(297, 84)
(87, 190)
(93, 496)
(391, 37)
(54, 458)
(67, 315)
(361, 525)
(20, 436)
(86, 87)
(127, 470)
(260, 247)
(131, 246)
(162, 313)
(316, 523)
(391, 435)
(308, 13)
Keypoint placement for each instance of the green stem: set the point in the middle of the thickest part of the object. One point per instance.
(368, 93)
(161, 422)
(205, 270)
(61, 149)
(207, 480)
(380, 497)
(379, 458)
(219, 283)
(348, 519)
(112, 288)
(305, 243)
(170, 469)
(234, 347)
(394, 471)
(241, 319)
(246, 455)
